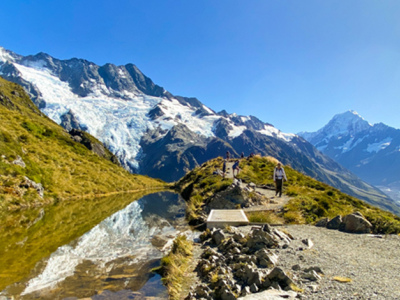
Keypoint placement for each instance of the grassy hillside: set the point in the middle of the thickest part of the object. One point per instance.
(310, 201)
(65, 168)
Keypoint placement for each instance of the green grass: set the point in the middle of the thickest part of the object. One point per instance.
(310, 201)
(269, 217)
(313, 200)
(65, 168)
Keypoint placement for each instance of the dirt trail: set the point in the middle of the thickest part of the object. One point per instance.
(273, 202)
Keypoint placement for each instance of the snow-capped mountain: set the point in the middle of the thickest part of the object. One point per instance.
(348, 123)
(370, 151)
(154, 132)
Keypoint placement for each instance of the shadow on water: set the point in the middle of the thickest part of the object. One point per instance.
(102, 248)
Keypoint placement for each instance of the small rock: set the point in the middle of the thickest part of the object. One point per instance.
(227, 295)
(279, 276)
(308, 242)
(316, 269)
(217, 236)
(313, 288)
(19, 162)
(296, 268)
(245, 291)
(312, 276)
(253, 288)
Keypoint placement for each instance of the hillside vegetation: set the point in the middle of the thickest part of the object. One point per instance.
(310, 201)
(65, 168)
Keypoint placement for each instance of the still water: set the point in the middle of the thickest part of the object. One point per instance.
(111, 260)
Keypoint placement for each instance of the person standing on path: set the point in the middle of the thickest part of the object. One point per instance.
(224, 168)
(279, 176)
(235, 167)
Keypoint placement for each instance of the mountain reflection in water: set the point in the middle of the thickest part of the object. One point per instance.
(113, 260)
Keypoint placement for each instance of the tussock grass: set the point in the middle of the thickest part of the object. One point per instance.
(313, 200)
(269, 217)
(175, 264)
(65, 168)
(310, 201)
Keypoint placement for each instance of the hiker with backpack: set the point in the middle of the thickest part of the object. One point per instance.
(279, 177)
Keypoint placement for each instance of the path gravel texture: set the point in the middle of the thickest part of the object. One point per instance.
(371, 262)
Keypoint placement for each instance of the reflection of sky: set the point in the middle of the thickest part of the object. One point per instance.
(123, 234)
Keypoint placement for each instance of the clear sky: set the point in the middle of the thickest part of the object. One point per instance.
(292, 63)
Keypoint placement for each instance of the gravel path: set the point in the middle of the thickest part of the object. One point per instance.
(371, 262)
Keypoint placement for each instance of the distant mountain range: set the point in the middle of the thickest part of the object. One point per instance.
(372, 152)
(156, 133)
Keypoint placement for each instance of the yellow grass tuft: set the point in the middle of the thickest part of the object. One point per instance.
(342, 279)
(175, 265)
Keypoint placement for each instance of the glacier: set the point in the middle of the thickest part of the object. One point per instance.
(119, 118)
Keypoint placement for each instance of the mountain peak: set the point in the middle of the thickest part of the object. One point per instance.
(347, 123)
(344, 124)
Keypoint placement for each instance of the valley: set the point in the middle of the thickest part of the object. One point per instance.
(77, 220)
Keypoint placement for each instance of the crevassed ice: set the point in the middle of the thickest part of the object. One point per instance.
(117, 123)
(120, 124)
(376, 147)
(236, 130)
(202, 126)
(272, 131)
(123, 234)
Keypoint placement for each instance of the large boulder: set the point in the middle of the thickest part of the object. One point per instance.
(356, 223)
(322, 222)
(334, 223)
(230, 198)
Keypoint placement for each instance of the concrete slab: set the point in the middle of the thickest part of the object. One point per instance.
(220, 218)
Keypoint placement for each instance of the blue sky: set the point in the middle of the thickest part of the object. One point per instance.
(291, 63)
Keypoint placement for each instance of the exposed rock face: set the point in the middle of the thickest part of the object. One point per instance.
(91, 143)
(19, 162)
(28, 183)
(231, 198)
(177, 151)
(69, 121)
